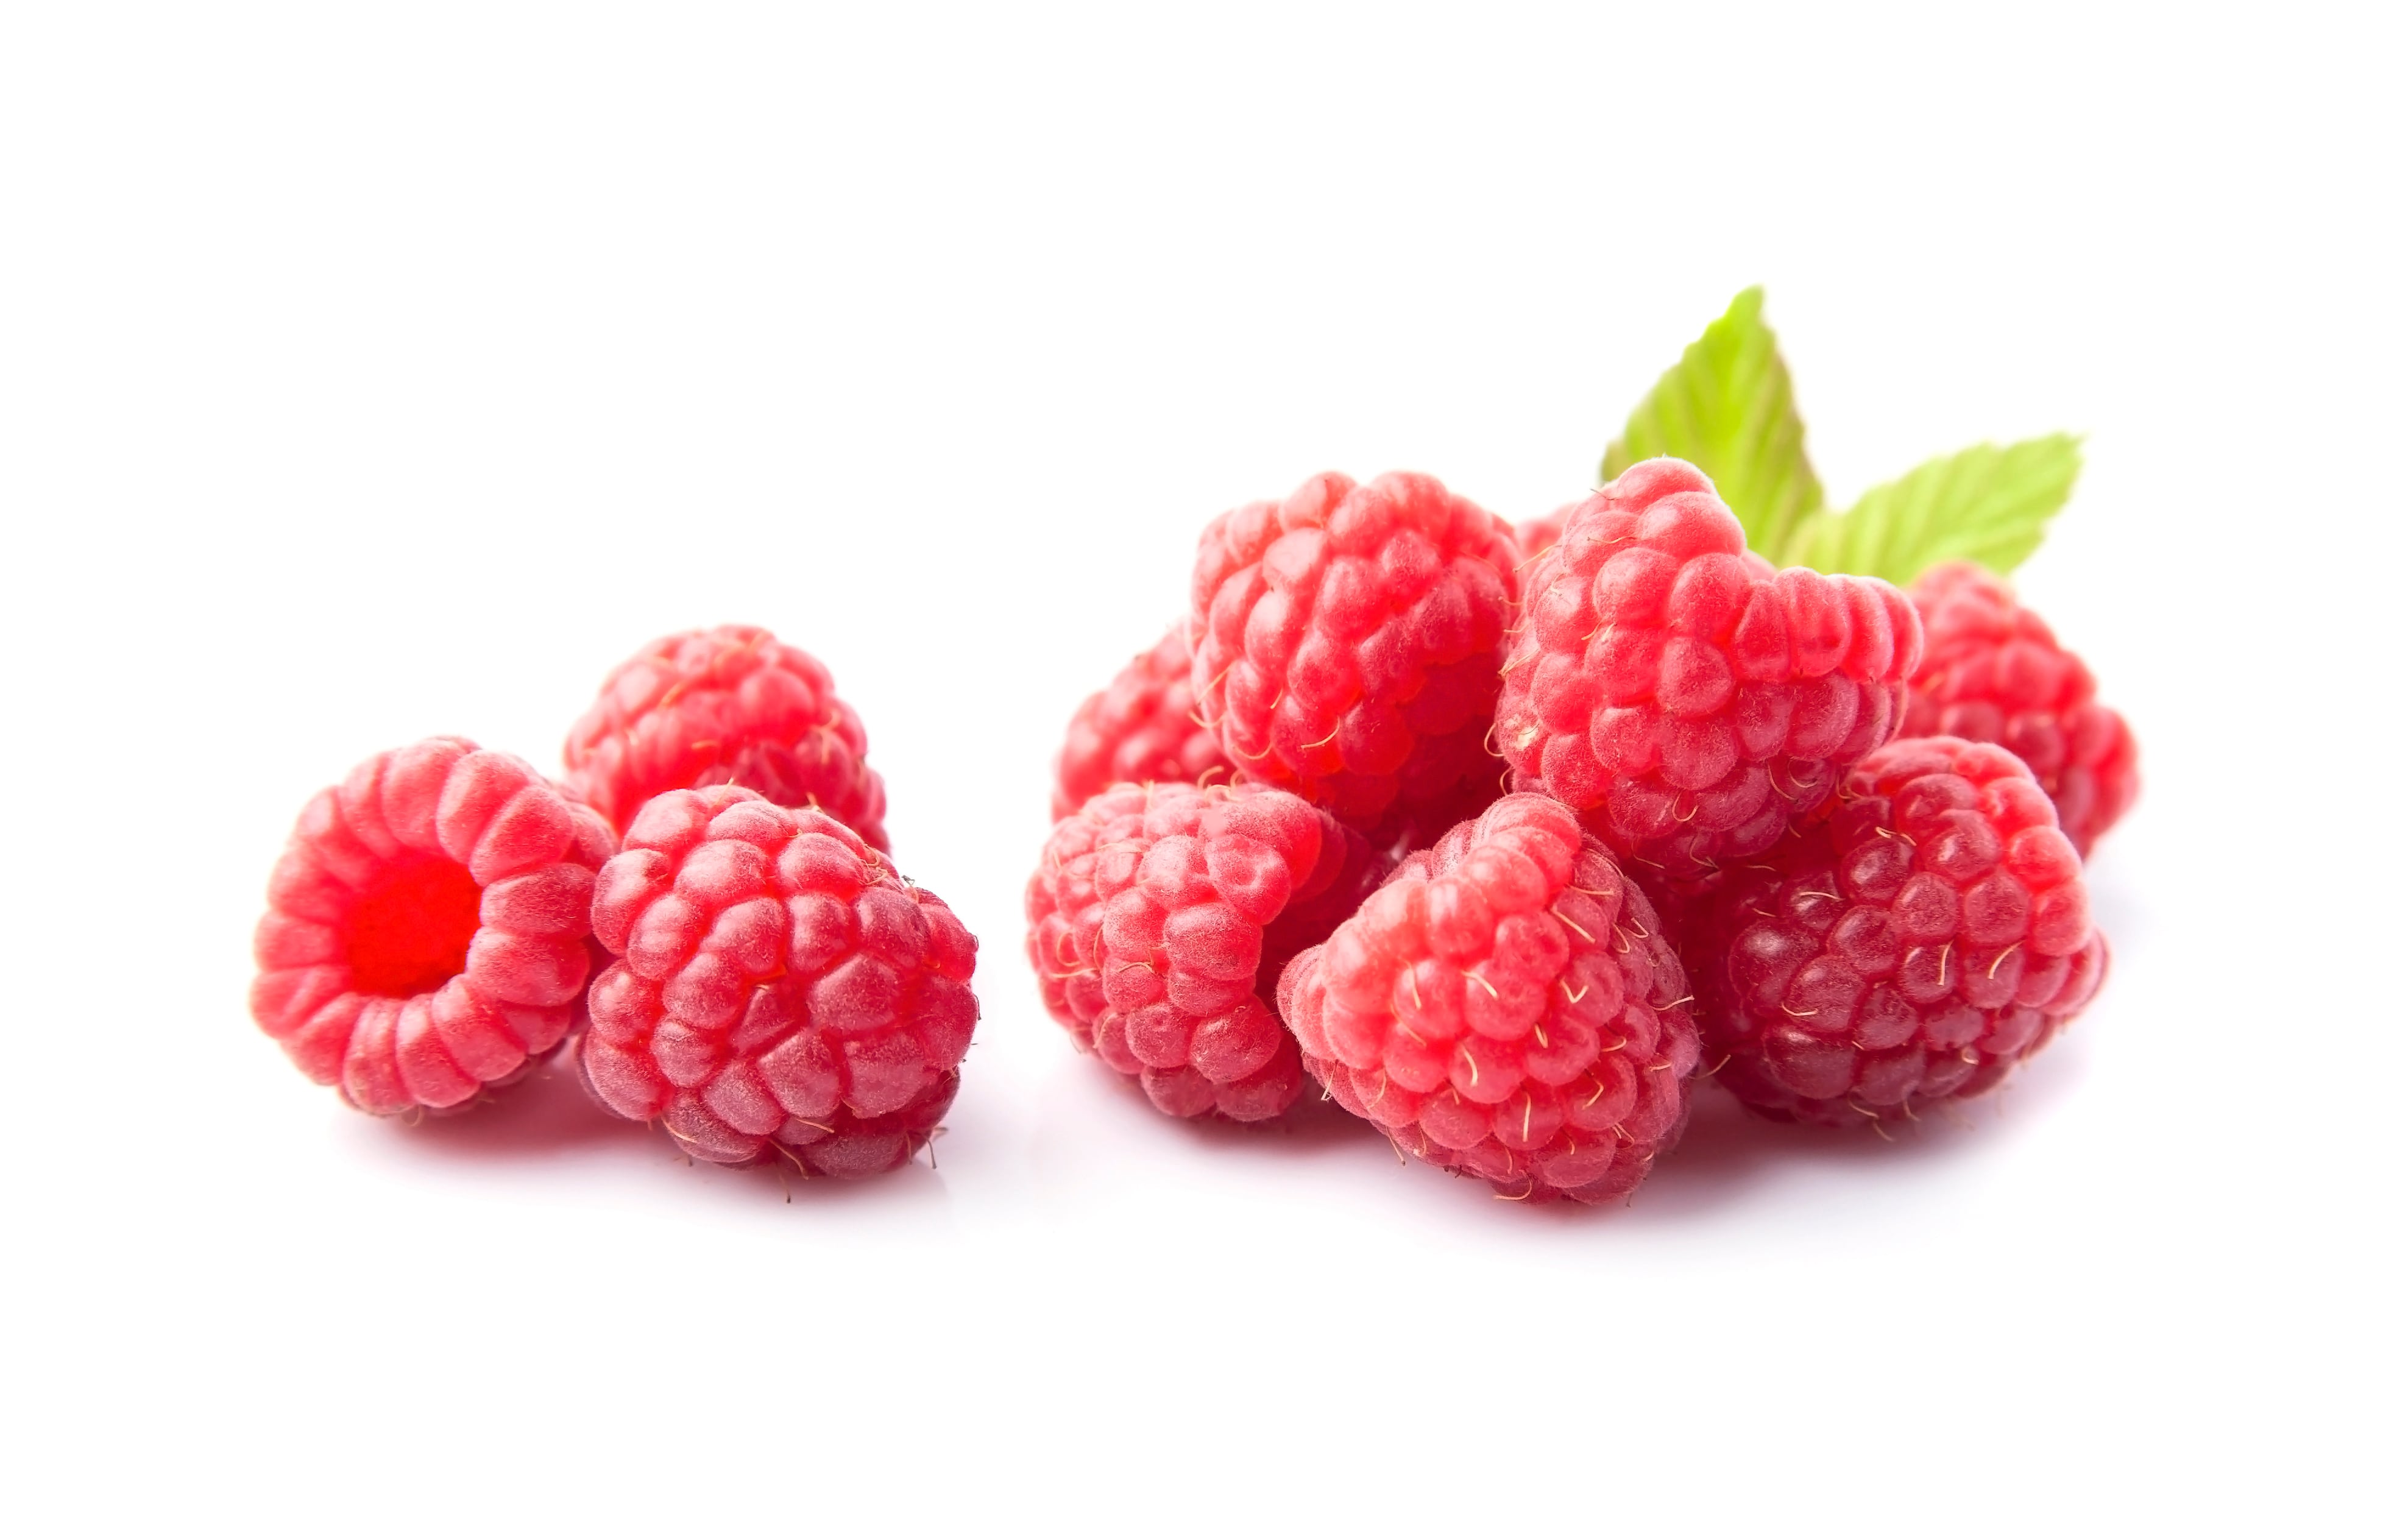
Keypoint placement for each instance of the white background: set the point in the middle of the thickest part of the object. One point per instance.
(367, 378)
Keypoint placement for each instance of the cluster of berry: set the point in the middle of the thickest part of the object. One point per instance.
(759, 978)
(1502, 837)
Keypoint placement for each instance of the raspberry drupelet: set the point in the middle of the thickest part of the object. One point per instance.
(1506, 1006)
(779, 992)
(1159, 919)
(1914, 946)
(1678, 693)
(729, 706)
(1347, 642)
(427, 933)
(1992, 670)
(1143, 728)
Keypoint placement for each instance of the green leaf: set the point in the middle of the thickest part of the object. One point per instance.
(1726, 409)
(1986, 504)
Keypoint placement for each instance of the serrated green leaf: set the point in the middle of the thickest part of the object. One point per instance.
(1727, 410)
(1986, 504)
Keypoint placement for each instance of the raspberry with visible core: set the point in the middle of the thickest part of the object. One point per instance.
(779, 991)
(1159, 920)
(1683, 696)
(1918, 943)
(1993, 671)
(1143, 728)
(728, 706)
(1347, 641)
(426, 934)
(1506, 1006)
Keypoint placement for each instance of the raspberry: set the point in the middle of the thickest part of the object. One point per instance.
(1536, 536)
(1930, 934)
(733, 706)
(427, 931)
(1347, 640)
(1159, 922)
(780, 991)
(1143, 728)
(1992, 671)
(1681, 694)
(1506, 1006)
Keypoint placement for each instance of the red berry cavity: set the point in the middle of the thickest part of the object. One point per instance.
(427, 929)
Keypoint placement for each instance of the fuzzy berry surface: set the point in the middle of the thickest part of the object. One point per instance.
(1914, 946)
(1159, 920)
(1536, 536)
(1143, 728)
(1506, 1006)
(1992, 670)
(1347, 640)
(1682, 695)
(780, 992)
(726, 706)
(426, 933)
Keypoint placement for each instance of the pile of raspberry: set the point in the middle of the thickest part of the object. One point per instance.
(699, 918)
(1501, 838)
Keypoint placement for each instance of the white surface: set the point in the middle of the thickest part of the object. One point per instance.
(366, 379)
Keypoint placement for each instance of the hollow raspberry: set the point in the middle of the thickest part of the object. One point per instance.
(1143, 728)
(1918, 943)
(426, 934)
(1506, 1006)
(1993, 671)
(1158, 923)
(1683, 696)
(779, 990)
(1347, 640)
(729, 706)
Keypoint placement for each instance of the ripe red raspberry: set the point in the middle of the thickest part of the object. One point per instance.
(1927, 937)
(1993, 671)
(1143, 728)
(427, 932)
(1506, 1006)
(1158, 923)
(729, 706)
(1681, 694)
(1347, 640)
(1536, 536)
(780, 991)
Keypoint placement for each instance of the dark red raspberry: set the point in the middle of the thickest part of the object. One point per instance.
(1506, 1006)
(1992, 671)
(1918, 943)
(729, 706)
(1347, 640)
(1143, 728)
(780, 991)
(427, 932)
(1160, 919)
(1684, 698)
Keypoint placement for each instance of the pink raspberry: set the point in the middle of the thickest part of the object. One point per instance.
(728, 706)
(1682, 695)
(780, 990)
(1143, 728)
(1993, 671)
(427, 933)
(1506, 1006)
(1536, 536)
(1158, 923)
(1347, 641)
(1918, 943)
